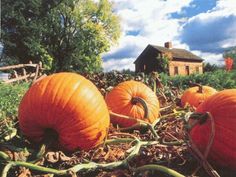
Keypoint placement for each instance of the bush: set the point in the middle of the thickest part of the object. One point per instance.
(10, 98)
(219, 79)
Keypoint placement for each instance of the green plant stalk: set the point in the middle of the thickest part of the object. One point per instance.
(82, 167)
(119, 140)
(158, 168)
(154, 86)
(140, 124)
(38, 168)
(153, 131)
(6, 169)
(76, 168)
(4, 156)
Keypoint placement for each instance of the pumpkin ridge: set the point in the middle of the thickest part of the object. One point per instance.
(62, 111)
(92, 122)
(30, 102)
(74, 92)
(53, 94)
(89, 112)
(52, 114)
(44, 101)
(62, 90)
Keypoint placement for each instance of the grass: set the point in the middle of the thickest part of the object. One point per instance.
(10, 96)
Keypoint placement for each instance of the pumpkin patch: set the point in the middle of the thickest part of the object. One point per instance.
(146, 136)
(70, 105)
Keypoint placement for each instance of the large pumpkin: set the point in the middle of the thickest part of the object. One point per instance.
(70, 105)
(222, 107)
(194, 96)
(134, 99)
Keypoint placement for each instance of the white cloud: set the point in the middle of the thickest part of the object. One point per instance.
(151, 20)
(152, 23)
(210, 57)
(113, 64)
(212, 31)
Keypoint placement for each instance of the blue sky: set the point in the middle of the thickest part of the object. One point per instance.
(205, 27)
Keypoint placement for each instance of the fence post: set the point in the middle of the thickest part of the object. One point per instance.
(36, 72)
(15, 75)
(24, 74)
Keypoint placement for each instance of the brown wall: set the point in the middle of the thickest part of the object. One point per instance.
(182, 67)
(147, 63)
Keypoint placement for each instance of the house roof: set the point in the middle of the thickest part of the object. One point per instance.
(176, 53)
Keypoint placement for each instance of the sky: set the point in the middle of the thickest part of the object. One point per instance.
(204, 27)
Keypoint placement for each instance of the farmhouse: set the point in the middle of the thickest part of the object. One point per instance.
(180, 61)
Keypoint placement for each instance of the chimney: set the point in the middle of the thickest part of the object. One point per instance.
(168, 45)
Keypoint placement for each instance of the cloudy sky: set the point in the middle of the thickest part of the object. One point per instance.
(205, 27)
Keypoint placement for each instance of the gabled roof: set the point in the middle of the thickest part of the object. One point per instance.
(176, 53)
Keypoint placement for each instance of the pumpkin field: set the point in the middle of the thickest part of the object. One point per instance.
(119, 124)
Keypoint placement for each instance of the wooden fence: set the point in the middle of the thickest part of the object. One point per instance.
(24, 72)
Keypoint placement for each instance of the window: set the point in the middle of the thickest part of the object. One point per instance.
(197, 69)
(176, 70)
(187, 70)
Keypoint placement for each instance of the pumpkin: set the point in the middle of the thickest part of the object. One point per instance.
(222, 107)
(68, 104)
(133, 99)
(194, 96)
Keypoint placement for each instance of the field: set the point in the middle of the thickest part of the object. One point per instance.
(159, 149)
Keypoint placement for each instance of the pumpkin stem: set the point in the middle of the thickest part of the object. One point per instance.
(136, 100)
(200, 87)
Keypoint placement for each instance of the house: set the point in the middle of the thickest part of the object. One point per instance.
(180, 61)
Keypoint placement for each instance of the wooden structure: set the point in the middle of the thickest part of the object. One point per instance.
(24, 72)
(180, 61)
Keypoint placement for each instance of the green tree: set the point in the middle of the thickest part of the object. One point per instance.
(162, 63)
(207, 67)
(64, 34)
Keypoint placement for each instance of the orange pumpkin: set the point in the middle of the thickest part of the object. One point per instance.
(70, 105)
(222, 107)
(133, 99)
(194, 96)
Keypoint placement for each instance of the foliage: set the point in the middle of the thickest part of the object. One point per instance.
(207, 67)
(64, 35)
(219, 79)
(162, 63)
(10, 98)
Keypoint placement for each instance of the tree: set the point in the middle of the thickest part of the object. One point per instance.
(231, 53)
(64, 34)
(207, 67)
(162, 63)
